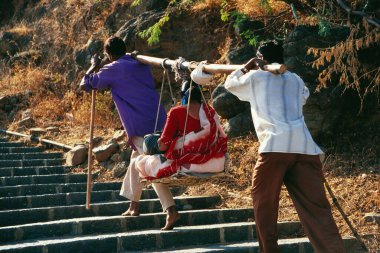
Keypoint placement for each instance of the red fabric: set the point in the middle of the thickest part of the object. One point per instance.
(175, 124)
(198, 151)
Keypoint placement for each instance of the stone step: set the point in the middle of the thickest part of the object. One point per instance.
(289, 245)
(150, 239)
(43, 179)
(63, 199)
(72, 198)
(117, 224)
(28, 163)
(30, 156)
(38, 170)
(11, 144)
(21, 150)
(23, 216)
(39, 189)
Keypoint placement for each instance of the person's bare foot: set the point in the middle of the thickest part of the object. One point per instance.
(133, 210)
(171, 218)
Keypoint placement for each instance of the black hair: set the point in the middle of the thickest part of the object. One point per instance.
(196, 94)
(115, 46)
(272, 52)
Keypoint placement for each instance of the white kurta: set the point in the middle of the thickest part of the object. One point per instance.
(276, 107)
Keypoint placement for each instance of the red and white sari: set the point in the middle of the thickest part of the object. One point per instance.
(203, 151)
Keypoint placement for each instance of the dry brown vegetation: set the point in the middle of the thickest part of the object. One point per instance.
(353, 174)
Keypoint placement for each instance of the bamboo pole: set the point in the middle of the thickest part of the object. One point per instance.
(90, 158)
(37, 139)
(209, 68)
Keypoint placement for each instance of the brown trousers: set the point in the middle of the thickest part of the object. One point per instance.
(303, 178)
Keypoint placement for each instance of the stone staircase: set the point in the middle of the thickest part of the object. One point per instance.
(42, 210)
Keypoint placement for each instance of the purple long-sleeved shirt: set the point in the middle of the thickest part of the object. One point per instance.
(133, 92)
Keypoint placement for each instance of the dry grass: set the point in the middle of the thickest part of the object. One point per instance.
(19, 79)
(20, 29)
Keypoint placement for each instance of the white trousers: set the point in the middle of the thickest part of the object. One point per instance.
(132, 188)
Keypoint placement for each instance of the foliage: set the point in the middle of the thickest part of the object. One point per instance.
(136, 2)
(344, 60)
(224, 12)
(152, 34)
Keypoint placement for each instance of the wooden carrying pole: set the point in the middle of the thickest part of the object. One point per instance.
(209, 68)
(90, 158)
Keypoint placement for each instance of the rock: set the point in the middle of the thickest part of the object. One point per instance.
(116, 157)
(83, 55)
(27, 122)
(120, 169)
(226, 104)
(95, 140)
(52, 130)
(26, 57)
(11, 102)
(94, 45)
(26, 114)
(239, 125)
(77, 155)
(37, 131)
(107, 165)
(103, 153)
(240, 54)
(3, 101)
(372, 217)
(119, 135)
(125, 155)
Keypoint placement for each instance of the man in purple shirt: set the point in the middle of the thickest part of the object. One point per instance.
(132, 87)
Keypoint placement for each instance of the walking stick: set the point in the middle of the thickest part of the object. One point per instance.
(90, 158)
(340, 209)
(336, 203)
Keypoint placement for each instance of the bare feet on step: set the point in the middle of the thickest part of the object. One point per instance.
(133, 210)
(171, 218)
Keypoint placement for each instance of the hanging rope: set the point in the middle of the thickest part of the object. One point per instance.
(165, 74)
(180, 74)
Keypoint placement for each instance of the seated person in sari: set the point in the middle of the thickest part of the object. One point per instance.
(197, 144)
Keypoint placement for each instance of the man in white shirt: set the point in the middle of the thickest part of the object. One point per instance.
(287, 153)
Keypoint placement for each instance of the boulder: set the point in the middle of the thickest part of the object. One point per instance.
(27, 122)
(240, 54)
(119, 135)
(83, 55)
(77, 155)
(103, 153)
(107, 165)
(226, 104)
(116, 157)
(239, 125)
(125, 155)
(120, 169)
(95, 140)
